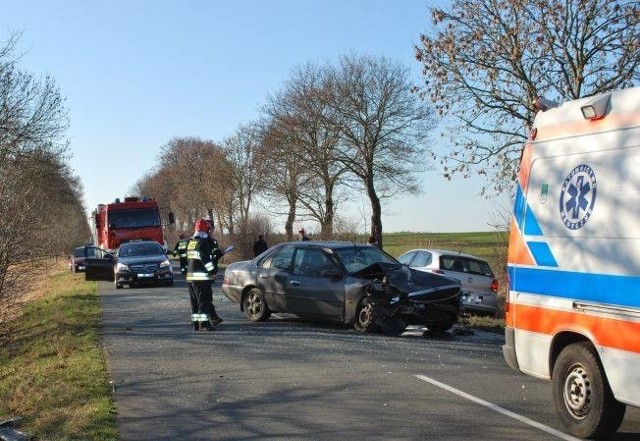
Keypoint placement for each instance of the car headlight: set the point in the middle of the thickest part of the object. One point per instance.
(121, 267)
(165, 263)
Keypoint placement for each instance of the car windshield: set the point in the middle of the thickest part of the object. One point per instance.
(78, 252)
(356, 258)
(136, 218)
(140, 249)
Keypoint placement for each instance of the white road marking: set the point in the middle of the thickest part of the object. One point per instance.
(499, 409)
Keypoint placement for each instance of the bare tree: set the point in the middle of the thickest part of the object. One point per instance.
(383, 128)
(246, 171)
(488, 60)
(280, 155)
(302, 111)
(40, 201)
(193, 177)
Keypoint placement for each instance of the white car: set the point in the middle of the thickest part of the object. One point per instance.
(477, 281)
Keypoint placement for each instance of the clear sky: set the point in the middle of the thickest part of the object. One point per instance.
(136, 74)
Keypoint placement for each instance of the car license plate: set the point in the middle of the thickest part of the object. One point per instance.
(142, 276)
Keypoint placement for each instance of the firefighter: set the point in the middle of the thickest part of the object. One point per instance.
(180, 250)
(202, 266)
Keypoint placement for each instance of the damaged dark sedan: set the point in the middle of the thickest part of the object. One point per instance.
(355, 284)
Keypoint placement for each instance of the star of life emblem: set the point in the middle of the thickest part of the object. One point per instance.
(578, 197)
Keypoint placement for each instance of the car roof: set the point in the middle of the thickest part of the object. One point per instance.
(441, 252)
(140, 242)
(328, 244)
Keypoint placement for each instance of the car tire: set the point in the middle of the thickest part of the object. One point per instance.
(118, 286)
(255, 306)
(581, 392)
(368, 316)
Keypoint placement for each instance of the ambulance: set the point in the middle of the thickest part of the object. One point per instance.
(573, 305)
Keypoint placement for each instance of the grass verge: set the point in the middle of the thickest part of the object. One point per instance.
(53, 371)
(485, 323)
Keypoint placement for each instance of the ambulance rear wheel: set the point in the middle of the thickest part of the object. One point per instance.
(582, 395)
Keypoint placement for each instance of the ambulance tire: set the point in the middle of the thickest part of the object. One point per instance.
(582, 395)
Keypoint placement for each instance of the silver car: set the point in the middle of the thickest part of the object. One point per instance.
(354, 284)
(477, 281)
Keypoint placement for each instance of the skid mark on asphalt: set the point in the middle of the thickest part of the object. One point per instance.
(496, 408)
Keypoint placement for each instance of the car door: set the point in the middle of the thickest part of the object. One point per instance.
(316, 285)
(98, 264)
(273, 273)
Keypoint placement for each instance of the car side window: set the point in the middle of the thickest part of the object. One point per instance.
(423, 258)
(312, 262)
(406, 258)
(282, 260)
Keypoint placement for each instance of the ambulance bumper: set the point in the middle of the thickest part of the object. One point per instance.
(508, 349)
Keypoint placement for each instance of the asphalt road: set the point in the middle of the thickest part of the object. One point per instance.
(290, 379)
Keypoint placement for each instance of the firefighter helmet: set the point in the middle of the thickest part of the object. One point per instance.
(203, 225)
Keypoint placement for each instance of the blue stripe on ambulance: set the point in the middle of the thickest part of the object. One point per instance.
(542, 254)
(531, 226)
(540, 251)
(604, 288)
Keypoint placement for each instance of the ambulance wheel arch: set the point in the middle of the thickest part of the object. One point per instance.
(581, 392)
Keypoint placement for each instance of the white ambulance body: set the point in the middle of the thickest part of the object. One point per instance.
(573, 307)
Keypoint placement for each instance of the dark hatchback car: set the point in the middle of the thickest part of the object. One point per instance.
(355, 284)
(136, 263)
(78, 256)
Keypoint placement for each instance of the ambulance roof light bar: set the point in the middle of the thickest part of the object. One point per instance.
(596, 108)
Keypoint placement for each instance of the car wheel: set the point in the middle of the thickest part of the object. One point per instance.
(115, 282)
(170, 283)
(582, 395)
(440, 327)
(367, 317)
(255, 306)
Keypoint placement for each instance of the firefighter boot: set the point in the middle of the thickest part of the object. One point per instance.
(214, 319)
(206, 326)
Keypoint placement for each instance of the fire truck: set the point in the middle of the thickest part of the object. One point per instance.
(134, 218)
(573, 306)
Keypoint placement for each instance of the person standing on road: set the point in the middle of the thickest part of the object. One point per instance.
(259, 246)
(181, 251)
(302, 235)
(202, 266)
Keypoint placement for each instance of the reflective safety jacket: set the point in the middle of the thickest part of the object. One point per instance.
(202, 259)
(181, 248)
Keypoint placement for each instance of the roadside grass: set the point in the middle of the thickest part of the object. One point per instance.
(53, 370)
(490, 324)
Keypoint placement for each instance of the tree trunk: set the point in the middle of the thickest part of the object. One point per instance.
(376, 213)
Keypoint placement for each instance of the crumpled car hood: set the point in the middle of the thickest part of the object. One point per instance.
(419, 286)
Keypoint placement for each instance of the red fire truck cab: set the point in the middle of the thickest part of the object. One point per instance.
(135, 218)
